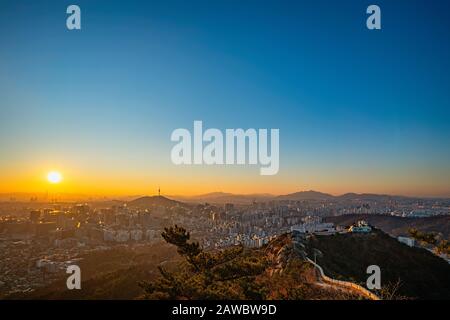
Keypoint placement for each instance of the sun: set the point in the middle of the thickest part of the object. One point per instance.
(54, 177)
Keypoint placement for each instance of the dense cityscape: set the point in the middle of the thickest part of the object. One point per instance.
(38, 240)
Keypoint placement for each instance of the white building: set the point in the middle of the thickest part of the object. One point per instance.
(406, 240)
(315, 228)
(360, 227)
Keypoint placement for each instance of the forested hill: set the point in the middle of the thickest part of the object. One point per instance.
(421, 274)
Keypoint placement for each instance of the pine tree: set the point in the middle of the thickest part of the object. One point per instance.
(222, 274)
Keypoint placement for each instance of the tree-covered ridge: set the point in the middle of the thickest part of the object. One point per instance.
(276, 271)
(434, 239)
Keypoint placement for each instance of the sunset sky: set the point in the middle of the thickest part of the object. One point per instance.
(358, 110)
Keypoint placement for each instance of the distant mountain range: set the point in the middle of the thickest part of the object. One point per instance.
(149, 201)
(213, 197)
(315, 195)
(306, 195)
(222, 197)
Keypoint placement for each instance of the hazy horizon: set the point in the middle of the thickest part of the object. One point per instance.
(80, 196)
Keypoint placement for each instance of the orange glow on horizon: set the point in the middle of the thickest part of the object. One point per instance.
(110, 182)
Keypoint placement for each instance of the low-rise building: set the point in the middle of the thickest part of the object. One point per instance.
(360, 227)
(406, 240)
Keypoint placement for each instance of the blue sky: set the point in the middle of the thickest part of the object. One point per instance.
(368, 107)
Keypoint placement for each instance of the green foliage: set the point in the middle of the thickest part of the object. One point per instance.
(224, 274)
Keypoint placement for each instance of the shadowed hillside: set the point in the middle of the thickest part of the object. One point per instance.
(396, 225)
(109, 274)
(347, 256)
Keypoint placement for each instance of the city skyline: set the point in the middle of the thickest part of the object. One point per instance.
(192, 197)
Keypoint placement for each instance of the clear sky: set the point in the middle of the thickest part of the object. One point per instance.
(358, 110)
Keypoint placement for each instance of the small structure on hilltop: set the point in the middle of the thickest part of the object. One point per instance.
(314, 228)
(360, 227)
